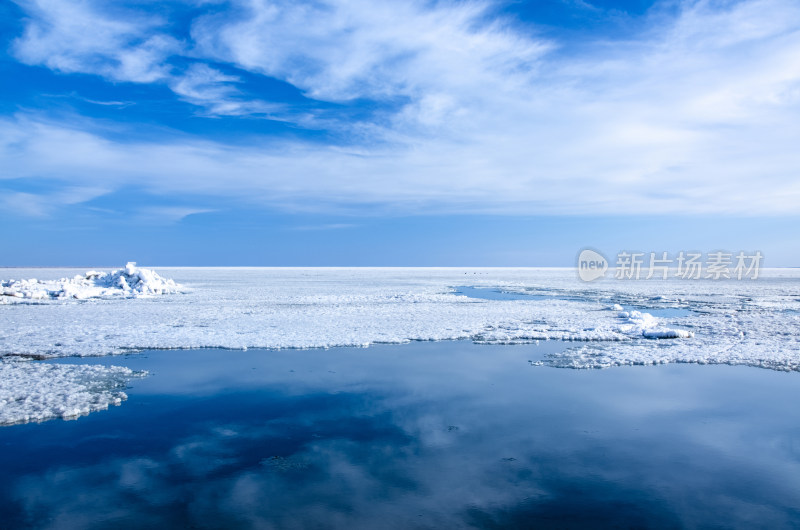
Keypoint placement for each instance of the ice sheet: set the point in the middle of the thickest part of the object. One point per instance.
(302, 308)
(754, 323)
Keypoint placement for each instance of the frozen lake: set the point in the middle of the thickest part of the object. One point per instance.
(421, 435)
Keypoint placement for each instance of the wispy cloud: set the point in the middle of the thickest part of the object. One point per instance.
(104, 103)
(207, 87)
(346, 50)
(25, 204)
(328, 226)
(78, 37)
(698, 112)
(168, 214)
(122, 45)
(44, 204)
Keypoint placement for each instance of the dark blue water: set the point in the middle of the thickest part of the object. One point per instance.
(423, 435)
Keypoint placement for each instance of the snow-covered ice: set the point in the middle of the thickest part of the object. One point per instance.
(636, 322)
(42, 391)
(755, 323)
(130, 282)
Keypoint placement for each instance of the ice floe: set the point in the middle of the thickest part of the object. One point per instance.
(32, 392)
(130, 282)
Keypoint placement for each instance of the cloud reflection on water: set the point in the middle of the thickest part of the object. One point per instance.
(421, 435)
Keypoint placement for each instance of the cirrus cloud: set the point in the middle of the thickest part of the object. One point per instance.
(697, 112)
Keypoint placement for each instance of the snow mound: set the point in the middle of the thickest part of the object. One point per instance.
(648, 326)
(34, 392)
(130, 282)
(667, 333)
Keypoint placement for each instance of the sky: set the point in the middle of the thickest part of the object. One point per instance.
(405, 133)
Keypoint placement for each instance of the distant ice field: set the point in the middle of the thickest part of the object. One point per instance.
(607, 323)
(734, 322)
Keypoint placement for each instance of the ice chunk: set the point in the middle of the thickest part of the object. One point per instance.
(33, 391)
(667, 333)
(130, 282)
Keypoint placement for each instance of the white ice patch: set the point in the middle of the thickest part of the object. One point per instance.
(130, 282)
(33, 392)
(637, 323)
(667, 333)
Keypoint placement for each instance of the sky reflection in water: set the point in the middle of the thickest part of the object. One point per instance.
(447, 434)
(492, 293)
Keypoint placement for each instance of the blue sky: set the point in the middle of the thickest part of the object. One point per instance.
(396, 133)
